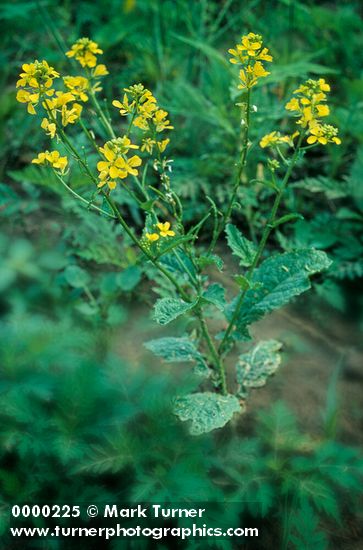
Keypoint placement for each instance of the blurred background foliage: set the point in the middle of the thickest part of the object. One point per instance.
(79, 406)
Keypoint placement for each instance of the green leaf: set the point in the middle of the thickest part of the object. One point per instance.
(173, 349)
(166, 245)
(240, 246)
(253, 368)
(129, 278)
(242, 281)
(280, 278)
(288, 218)
(106, 208)
(204, 261)
(76, 276)
(177, 350)
(147, 205)
(168, 309)
(207, 411)
(331, 188)
(304, 530)
(215, 295)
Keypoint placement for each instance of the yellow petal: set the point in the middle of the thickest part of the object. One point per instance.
(114, 172)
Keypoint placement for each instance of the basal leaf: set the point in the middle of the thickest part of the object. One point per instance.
(207, 411)
(255, 366)
(240, 246)
(168, 309)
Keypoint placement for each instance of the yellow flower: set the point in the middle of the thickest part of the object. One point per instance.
(70, 116)
(84, 51)
(49, 127)
(274, 138)
(37, 75)
(323, 133)
(251, 43)
(306, 117)
(53, 158)
(121, 145)
(322, 110)
(24, 96)
(117, 165)
(249, 49)
(125, 107)
(58, 102)
(162, 145)
(146, 108)
(249, 76)
(148, 145)
(152, 236)
(160, 121)
(78, 85)
(293, 105)
(100, 70)
(113, 166)
(37, 78)
(309, 105)
(164, 229)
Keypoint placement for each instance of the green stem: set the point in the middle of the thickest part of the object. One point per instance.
(89, 136)
(82, 199)
(265, 235)
(217, 360)
(117, 213)
(150, 257)
(237, 183)
(185, 267)
(102, 115)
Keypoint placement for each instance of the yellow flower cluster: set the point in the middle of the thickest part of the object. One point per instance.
(84, 51)
(164, 231)
(53, 159)
(63, 104)
(35, 81)
(275, 138)
(78, 86)
(36, 86)
(146, 115)
(148, 145)
(250, 53)
(310, 107)
(117, 165)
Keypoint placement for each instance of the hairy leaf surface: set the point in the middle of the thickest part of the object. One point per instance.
(255, 366)
(240, 246)
(168, 309)
(215, 295)
(207, 411)
(279, 279)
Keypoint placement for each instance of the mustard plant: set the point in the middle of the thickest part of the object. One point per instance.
(137, 143)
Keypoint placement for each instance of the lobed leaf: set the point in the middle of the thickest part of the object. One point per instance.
(207, 411)
(255, 366)
(215, 295)
(168, 309)
(279, 279)
(174, 349)
(240, 246)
